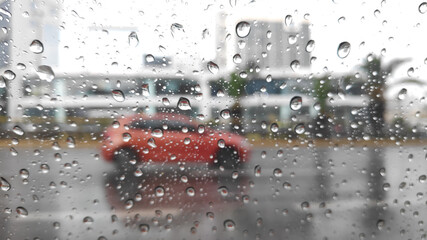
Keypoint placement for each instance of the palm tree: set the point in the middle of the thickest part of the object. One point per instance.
(377, 73)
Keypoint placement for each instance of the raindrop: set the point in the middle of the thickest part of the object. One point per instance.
(305, 206)
(343, 49)
(292, 39)
(187, 141)
(36, 46)
(380, 224)
(410, 72)
(176, 28)
(423, 7)
(257, 170)
(118, 95)
(402, 94)
(223, 191)
(296, 103)
(24, 173)
(44, 168)
(317, 106)
(18, 130)
(116, 124)
(3, 82)
(288, 20)
(386, 186)
(45, 73)
(149, 58)
(225, 113)
(165, 101)
(4, 185)
(300, 128)
(9, 75)
(71, 143)
(184, 104)
(310, 46)
(422, 178)
(88, 220)
(277, 172)
(213, 67)
(129, 204)
(243, 29)
(274, 127)
(295, 65)
(145, 90)
(191, 191)
(229, 225)
(159, 191)
(221, 143)
(152, 143)
(157, 132)
(126, 137)
(133, 39)
(21, 211)
(237, 59)
(144, 228)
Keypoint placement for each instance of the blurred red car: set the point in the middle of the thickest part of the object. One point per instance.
(171, 138)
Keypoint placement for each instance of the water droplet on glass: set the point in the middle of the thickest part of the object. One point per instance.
(277, 172)
(310, 46)
(9, 75)
(36, 46)
(18, 130)
(305, 206)
(402, 94)
(44, 168)
(295, 65)
(410, 72)
(133, 39)
(422, 178)
(386, 186)
(317, 106)
(237, 59)
(152, 143)
(380, 224)
(190, 191)
(177, 28)
(165, 101)
(288, 20)
(126, 137)
(296, 103)
(145, 90)
(4, 185)
(229, 225)
(243, 29)
(159, 191)
(213, 67)
(221, 143)
(343, 49)
(157, 132)
(257, 170)
(274, 127)
(184, 104)
(116, 124)
(423, 7)
(223, 191)
(129, 204)
(300, 128)
(149, 58)
(292, 39)
(21, 211)
(24, 173)
(88, 220)
(225, 114)
(45, 73)
(71, 143)
(144, 228)
(118, 95)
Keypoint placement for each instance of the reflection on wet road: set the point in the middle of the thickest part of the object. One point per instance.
(300, 193)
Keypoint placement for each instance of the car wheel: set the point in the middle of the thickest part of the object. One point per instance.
(125, 160)
(228, 158)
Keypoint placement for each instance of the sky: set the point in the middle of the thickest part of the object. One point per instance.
(393, 29)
